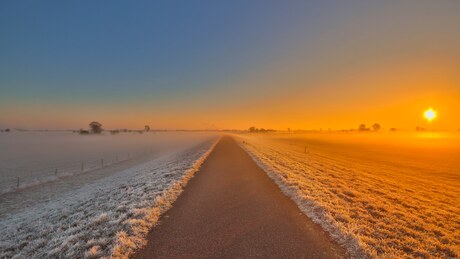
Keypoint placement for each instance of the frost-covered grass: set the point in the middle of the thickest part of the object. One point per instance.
(109, 217)
(37, 158)
(378, 196)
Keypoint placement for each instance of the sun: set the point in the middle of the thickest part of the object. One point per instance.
(429, 114)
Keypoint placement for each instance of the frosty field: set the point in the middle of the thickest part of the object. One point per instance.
(379, 195)
(96, 213)
(36, 157)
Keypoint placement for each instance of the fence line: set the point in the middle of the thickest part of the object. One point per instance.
(53, 173)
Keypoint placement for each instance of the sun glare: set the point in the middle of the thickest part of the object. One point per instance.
(430, 114)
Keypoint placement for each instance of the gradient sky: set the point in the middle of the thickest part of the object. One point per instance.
(229, 64)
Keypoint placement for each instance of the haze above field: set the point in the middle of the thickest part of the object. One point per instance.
(213, 65)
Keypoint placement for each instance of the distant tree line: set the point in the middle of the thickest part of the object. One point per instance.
(260, 130)
(418, 128)
(375, 127)
(95, 127)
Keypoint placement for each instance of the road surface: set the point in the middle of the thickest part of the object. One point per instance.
(232, 209)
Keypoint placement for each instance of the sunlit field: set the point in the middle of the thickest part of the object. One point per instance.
(384, 195)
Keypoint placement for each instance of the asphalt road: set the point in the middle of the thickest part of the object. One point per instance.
(232, 209)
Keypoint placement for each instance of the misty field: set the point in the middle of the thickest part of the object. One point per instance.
(37, 157)
(99, 213)
(379, 195)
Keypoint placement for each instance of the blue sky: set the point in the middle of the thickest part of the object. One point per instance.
(65, 62)
(64, 48)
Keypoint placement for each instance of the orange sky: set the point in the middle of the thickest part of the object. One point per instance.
(361, 63)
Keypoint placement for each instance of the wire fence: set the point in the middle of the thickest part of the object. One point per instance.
(25, 177)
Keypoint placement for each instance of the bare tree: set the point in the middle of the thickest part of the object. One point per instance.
(376, 127)
(95, 127)
(253, 129)
(362, 127)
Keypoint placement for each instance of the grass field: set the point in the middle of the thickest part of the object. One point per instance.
(379, 195)
(104, 216)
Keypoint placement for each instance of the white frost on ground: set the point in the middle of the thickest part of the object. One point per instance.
(109, 217)
(35, 158)
(393, 204)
